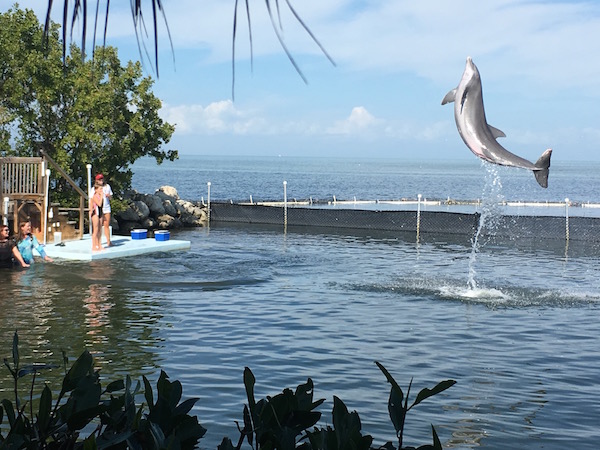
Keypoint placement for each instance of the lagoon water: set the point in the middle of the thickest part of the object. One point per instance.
(514, 323)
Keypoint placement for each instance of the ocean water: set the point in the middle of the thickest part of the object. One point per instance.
(515, 323)
(239, 178)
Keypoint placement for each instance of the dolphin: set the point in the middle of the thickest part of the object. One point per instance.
(481, 137)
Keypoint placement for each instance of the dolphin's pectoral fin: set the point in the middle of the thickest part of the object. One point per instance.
(449, 98)
(543, 166)
(496, 132)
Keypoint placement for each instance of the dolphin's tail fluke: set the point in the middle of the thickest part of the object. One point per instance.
(542, 168)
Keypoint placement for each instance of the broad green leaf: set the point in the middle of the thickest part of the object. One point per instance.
(249, 382)
(45, 408)
(426, 393)
(10, 411)
(185, 406)
(80, 368)
(391, 380)
(148, 394)
(115, 386)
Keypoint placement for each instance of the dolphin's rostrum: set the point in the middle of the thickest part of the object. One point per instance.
(481, 137)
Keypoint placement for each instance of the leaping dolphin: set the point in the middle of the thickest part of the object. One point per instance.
(481, 137)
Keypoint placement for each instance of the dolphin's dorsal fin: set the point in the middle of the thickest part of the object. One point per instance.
(496, 132)
(449, 98)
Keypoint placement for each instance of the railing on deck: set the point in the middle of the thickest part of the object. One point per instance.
(21, 178)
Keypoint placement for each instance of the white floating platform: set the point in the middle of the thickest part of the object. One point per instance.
(123, 246)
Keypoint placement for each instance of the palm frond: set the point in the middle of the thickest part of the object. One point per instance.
(78, 10)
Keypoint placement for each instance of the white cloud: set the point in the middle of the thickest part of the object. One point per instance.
(359, 121)
(216, 118)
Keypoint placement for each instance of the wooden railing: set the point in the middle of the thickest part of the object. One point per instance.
(82, 195)
(21, 178)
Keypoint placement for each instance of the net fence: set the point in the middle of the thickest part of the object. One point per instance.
(419, 222)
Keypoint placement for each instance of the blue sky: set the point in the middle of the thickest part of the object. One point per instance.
(395, 60)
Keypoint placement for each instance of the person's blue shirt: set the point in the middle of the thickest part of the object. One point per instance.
(26, 247)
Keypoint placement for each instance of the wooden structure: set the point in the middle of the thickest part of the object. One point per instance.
(24, 193)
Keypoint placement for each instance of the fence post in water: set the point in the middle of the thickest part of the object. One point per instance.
(208, 203)
(418, 215)
(567, 218)
(285, 203)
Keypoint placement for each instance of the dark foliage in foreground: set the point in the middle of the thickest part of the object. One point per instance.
(86, 416)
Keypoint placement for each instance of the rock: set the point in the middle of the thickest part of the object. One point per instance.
(170, 208)
(167, 193)
(189, 208)
(149, 223)
(155, 204)
(163, 210)
(165, 221)
(136, 212)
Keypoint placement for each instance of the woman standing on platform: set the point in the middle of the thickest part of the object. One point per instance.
(96, 216)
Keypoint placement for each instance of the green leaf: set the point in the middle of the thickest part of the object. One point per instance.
(226, 444)
(249, 382)
(115, 386)
(168, 392)
(80, 368)
(390, 378)
(89, 443)
(148, 394)
(45, 408)
(426, 393)
(10, 411)
(10, 369)
(15, 350)
(396, 410)
(186, 406)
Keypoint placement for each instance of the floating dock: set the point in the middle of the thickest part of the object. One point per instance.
(123, 246)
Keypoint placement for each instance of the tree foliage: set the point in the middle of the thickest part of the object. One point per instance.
(79, 111)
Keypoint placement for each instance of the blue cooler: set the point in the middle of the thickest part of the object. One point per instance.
(140, 233)
(162, 235)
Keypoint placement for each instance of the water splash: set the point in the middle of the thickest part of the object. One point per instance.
(490, 216)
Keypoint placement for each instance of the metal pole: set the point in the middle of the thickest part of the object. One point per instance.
(208, 203)
(567, 218)
(418, 215)
(285, 204)
(89, 190)
(46, 205)
(89, 177)
(5, 218)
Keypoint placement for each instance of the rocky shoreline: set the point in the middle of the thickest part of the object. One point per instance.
(162, 210)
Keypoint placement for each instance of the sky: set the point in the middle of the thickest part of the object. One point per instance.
(394, 62)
